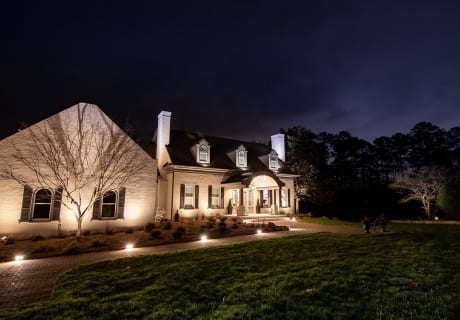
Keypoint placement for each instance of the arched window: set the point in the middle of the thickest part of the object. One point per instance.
(109, 205)
(203, 153)
(42, 204)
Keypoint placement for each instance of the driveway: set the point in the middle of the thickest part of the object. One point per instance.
(29, 281)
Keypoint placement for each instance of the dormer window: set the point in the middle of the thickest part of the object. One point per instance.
(273, 161)
(241, 157)
(203, 152)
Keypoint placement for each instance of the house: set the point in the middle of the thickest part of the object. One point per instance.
(201, 175)
(69, 158)
(77, 170)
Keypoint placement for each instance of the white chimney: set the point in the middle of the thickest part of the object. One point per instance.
(278, 145)
(164, 125)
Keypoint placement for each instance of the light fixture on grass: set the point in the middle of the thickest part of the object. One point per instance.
(204, 238)
(18, 257)
(259, 231)
(129, 247)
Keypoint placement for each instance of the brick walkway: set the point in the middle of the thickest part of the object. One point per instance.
(29, 281)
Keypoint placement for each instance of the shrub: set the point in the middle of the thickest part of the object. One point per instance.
(98, 243)
(129, 230)
(109, 232)
(211, 222)
(44, 248)
(165, 224)
(149, 226)
(86, 233)
(223, 227)
(71, 249)
(222, 219)
(235, 225)
(271, 226)
(37, 238)
(8, 241)
(204, 229)
(155, 234)
(178, 233)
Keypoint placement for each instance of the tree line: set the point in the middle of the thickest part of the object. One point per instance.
(404, 175)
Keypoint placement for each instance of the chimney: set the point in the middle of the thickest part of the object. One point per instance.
(278, 145)
(164, 124)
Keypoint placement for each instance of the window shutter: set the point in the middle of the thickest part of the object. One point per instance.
(241, 197)
(57, 204)
(209, 196)
(121, 203)
(279, 196)
(182, 196)
(221, 197)
(97, 209)
(197, 190)
(26, 203)
(289, 197)
(261, 198)
(274, 197)
(270, 197)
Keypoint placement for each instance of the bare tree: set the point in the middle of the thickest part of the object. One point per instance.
(423, 184)
(82, 153)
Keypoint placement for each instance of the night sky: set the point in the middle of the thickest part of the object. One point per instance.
(239, 69)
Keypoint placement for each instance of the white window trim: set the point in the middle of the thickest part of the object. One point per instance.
(192, 206)
(34, 203)
(115, 216)
(270, 164)
(218, 197)
(199, 145)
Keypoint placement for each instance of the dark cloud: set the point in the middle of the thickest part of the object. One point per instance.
(235, 68)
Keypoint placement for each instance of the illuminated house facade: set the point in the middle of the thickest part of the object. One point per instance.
(35, 206)
(202, 175)
(192, 174)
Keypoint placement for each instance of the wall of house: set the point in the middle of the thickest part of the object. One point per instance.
(139, 202)
(203, 180)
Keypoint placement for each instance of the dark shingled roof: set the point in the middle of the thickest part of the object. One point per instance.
(181, 142)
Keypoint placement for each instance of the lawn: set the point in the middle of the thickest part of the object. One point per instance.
(411, 272)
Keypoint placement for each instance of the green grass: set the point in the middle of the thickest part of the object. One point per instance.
(330, 222)
(409, 273)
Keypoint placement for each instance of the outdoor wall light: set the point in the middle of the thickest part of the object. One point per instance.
(129, 247)
(204, 238)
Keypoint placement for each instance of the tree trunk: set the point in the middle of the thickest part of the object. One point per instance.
(79, 221)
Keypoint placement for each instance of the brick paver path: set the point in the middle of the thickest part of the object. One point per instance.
(29, 281)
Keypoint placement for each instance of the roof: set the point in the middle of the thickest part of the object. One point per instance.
(181, 143)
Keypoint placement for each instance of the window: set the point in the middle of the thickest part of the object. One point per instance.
(250, 197)
(241, 156)
(273, 161)
(283, 192)
(203, 156)
(235, 197)
(42, 204)
(189, 197)
(109, 205)
(265, 198)
(215, 194)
